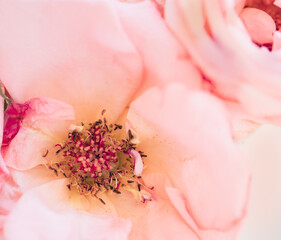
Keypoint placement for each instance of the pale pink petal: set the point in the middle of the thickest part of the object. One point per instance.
(242, 128)
(3, 168)
(73, 51)
(9, 194)
(43, 122)
(277, 3)
(276, 41)
(35, 145)
(9, 191)
(156, 219)
(163, 222)
(163, 57)
(259, 25)
(220, 46)
(33, 177)
(263, 152)
(44, 112)
(138, 168)
(195, 149)
(34, 218)
(180, 204)
(239, 5)
(256, 100)
(231, 234)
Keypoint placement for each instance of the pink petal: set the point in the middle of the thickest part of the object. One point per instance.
(9, 191)
(43, 121)
(239, 5)
(156, 219)
(157, 46)
(197, 152)
(34, 143)
(3, 168)
(225, 55)
(242, 128)
(137, 161)
(33, 177)
(180, 204)
(259, 24)
(221, 235)
(47, 110)
(63, 224)
(276, 41)
(76, 52)
(263, 152)
(9, 194)
(163, 222)
(277, 3)
(13, 119)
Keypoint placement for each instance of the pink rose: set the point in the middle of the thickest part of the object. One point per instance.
(63, 63)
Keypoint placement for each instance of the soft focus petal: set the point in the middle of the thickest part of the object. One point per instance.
(9, 194)
(263, 152)
(198, 153)
(242, 128)
(73, 51)
(64, 224)
(276, 41)
(3, 168)
(217, 41)
(9, 191)
(43, 118)
(277, 3)
(163, 57)
(221, 235)
(239, 5)
(259, 25)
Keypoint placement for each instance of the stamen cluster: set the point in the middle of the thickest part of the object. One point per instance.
(96, 159)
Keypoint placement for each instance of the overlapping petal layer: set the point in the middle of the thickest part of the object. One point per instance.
(163, 57)
(239, 71)
(213, 186)
(157, 219)
(9, 192)
(198, 149)
(76, 52)
(43, 123)
(38, 219)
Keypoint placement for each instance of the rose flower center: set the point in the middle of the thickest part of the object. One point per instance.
(96, 159)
